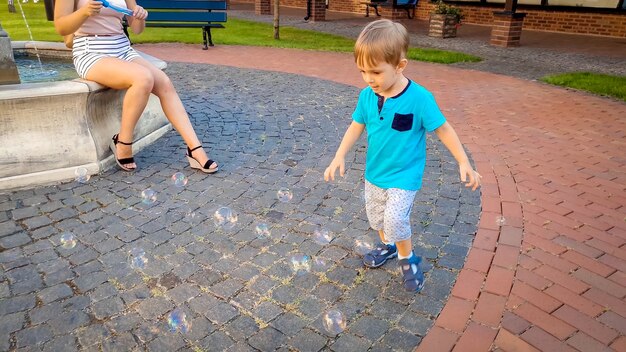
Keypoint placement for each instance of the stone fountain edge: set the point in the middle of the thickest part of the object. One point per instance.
(51, 129)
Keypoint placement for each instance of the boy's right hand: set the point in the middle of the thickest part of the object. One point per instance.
(337, 163)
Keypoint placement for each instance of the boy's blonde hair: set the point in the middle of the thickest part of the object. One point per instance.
(381, 40)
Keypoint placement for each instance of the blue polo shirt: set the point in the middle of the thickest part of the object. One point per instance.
(396, 135)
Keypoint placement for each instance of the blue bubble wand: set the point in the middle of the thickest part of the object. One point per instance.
(123, 10)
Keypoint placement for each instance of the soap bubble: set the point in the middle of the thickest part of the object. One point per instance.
(191, 217)
(187, 213)
(82, 175)
(177, 321)
(67, 240)
(284, 195)
(300, 263)
(334, 321)
(319, 264)
(148, 196)
(224, 217)
(137, 258)
(322, 236)
(263, 231)
(163, 212)
(363, 245)
(179, 179)
(500, 220)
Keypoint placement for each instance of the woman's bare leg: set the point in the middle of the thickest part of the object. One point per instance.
(174, 110)
(138, 82)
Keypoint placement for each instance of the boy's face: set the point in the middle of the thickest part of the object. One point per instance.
(384, 78)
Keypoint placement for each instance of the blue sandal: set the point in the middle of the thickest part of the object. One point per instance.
(379, 255)
(412, 273)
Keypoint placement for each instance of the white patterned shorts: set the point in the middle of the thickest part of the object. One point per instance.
(389, 210)
(88, 50)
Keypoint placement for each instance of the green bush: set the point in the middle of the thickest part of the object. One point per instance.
(444, 9)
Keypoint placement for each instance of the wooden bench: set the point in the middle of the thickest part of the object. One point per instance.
(185, 14)
(408, 5)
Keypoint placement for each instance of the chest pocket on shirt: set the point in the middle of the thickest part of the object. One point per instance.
(402, 122)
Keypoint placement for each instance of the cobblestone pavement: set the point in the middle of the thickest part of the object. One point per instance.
(268, 130)
(546, 267)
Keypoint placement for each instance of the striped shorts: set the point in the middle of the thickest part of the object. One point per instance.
(88, 50)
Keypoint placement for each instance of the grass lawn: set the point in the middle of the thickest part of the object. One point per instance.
(237, 32)
(612, 86)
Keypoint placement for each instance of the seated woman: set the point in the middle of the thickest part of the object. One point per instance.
(102, 53)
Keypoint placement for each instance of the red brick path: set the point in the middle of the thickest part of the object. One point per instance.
(547, 267)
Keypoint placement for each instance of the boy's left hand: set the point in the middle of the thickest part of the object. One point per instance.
(470, 177)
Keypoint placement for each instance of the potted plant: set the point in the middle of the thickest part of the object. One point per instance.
(444, 20)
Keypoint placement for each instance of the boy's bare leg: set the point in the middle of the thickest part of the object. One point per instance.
(404, 248)
(381, 234)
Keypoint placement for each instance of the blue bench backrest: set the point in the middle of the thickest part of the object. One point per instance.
(183, 4)
(406, 2)
(162, 16)
(184, 10)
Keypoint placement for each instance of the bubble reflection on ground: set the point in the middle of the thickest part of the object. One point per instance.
(284, 195)
(67, 240)
(81, 175)
(334, 322)
(148, 196)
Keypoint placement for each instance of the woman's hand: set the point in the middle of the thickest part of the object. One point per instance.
(140, 13)
(92, 8)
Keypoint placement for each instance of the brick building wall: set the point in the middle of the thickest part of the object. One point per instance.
(352, 6)
(604, 24)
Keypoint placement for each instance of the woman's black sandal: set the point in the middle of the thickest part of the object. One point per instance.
(121, 162)
(195, 164)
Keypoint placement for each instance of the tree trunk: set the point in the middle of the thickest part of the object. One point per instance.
(276, 18)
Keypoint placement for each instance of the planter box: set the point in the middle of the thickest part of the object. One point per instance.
(442, 26)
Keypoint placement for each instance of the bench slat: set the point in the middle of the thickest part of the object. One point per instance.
(408, 5)
(186, 16)
(183, 5)
(184, 25)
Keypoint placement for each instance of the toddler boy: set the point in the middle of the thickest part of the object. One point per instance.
(397, 113)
